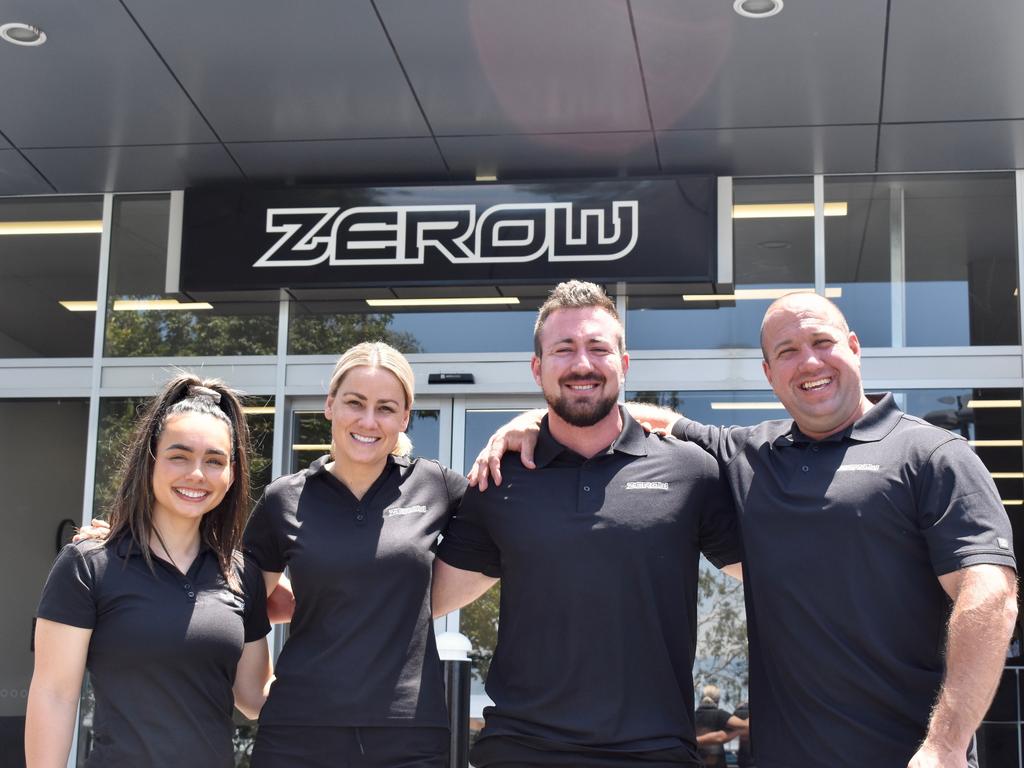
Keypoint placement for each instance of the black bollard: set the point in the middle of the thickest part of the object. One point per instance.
(453, 648)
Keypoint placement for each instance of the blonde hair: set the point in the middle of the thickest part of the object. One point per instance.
(377, 354)
(710, 696)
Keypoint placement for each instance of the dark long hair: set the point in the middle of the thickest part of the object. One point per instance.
(131, 512)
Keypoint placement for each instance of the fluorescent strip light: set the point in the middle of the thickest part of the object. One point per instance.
(257, 409)
(78, 306)
(784, 210)
(760, 294)
(1007, 475)
(453, 302)
(996, 443)
(80, 227)
(311, 447)
(145, 305)
(766, 406)
(993, 403)
(1012, 502)
(486, 177)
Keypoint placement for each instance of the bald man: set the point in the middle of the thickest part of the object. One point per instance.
(879, 571)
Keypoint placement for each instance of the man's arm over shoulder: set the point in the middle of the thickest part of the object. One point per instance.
(468, 561)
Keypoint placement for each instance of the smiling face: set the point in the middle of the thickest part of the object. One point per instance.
(580, 368)
(367, 412)
(812, 362)
(192, 467)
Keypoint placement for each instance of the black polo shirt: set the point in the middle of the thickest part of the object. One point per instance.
(163, 650)
(598, 560)
(844, 539)
(361, 648)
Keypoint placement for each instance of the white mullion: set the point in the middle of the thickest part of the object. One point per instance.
(819, 234)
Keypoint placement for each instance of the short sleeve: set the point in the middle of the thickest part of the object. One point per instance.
(719, 527)
(721, 442)
(257, 625)
(960, 513)
(467, 544)
(262, 537)
(69, 594)
(456, 485)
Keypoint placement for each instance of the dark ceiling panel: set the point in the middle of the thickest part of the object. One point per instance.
(954, 61)
(96, 81)
(18, 177)
(818, 62)
(951, 146)
(769, 151)
(262, 71)
(530, 66)
(292, 162)
(134, 169)
(540, 156)
(4, 143)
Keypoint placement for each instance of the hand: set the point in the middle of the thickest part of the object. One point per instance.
(520, 434)
(281, 603)
(96, 530)
(933, 756)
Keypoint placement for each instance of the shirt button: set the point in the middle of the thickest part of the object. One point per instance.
(586, 487)
(188, 586)
(191, 594)
(806, 468)
(814, 448)
(360, 517)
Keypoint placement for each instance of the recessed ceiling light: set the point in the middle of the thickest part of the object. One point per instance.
(446, 302)
(22, 34)
(774, 245)
(757, 9)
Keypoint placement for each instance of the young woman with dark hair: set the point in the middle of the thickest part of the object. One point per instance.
(166, 615)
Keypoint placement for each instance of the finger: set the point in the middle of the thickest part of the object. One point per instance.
(99, 522)
(495, 465)
(526, 450)
(646, 425)
(474, 473)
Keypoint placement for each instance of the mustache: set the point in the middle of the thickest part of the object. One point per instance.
(576, 378)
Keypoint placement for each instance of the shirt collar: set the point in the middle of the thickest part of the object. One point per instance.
(319, 466)
(125, 546)
(874, 425)
(632, 440)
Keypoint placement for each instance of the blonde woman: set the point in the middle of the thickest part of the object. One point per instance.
(359, 681)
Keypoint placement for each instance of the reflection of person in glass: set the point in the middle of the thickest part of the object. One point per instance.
(359, 681)
(715, 727)
(165, 614)
(598, 554)
(880, 574)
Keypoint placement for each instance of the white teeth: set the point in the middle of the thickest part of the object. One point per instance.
(190, 493)
(815, 384)
(582, 387)
(363, 439)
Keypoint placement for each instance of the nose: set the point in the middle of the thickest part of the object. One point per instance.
(809, 360)
(582, 363)
(367, 418)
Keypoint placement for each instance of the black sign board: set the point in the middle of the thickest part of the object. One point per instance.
(644, 230)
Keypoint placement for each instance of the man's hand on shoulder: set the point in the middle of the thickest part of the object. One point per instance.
(520, 435)
(933, 756)
(653, 418)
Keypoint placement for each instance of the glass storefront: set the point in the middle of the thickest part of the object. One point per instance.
(925, 267)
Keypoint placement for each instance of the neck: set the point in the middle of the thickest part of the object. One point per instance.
(179, 537)
(357, 477)
(586, 441)
(863, 407)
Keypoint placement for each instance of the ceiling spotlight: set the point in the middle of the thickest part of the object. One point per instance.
(22, 34)
(757, 9)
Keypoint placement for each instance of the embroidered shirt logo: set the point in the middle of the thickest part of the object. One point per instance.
(1003, 543)
(418, 509)
(646, 486)
(858, 468)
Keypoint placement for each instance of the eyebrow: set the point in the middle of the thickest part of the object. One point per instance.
(364, 398)
(188, 449)
(589, 340)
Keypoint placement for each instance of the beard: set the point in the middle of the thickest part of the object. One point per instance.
(581, 413)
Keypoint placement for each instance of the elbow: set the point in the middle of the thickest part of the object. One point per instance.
(249, 701)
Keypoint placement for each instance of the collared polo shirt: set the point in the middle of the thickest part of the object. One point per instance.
(361, 650)
(844, 539)
(163, 651)
(598, 560)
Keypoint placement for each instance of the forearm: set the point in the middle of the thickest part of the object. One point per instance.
(980, 626)
(49, 728)
(453, 587)
(655, 415)
(713, 737)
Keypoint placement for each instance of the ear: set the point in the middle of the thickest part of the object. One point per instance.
(535, 369)
(328, 407)
(405, 421)
(767, 372)
(625, 364)
(854, 343)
